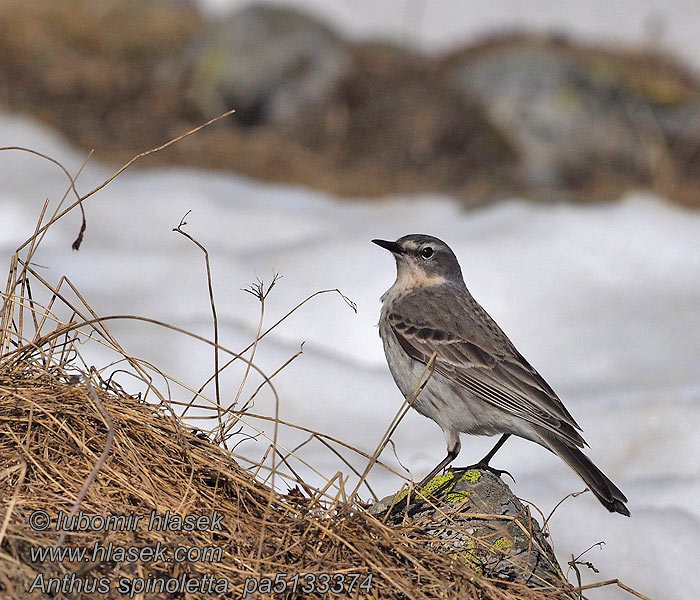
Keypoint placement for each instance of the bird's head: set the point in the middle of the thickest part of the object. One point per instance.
(423, 260)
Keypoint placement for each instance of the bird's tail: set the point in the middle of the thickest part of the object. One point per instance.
(605, 490)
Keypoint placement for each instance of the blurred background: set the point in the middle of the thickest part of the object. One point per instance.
(554, 103)
(554, 146)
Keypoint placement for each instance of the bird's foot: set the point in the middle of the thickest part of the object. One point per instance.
(484, 467)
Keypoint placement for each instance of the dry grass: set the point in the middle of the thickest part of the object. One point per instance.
(73, 440)
(53, 435)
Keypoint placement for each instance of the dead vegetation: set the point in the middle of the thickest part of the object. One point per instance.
(74, 442)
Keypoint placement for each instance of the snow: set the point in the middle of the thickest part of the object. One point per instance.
(603, 299)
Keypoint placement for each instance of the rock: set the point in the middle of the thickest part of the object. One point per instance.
(473, 515)
(271, 64)
(579, 115)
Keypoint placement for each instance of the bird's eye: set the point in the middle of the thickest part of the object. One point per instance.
(426, 252)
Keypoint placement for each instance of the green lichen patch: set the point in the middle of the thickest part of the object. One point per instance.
(401, 495)
(436, 483)
(457, 496)
(471, 476)
(503, 543)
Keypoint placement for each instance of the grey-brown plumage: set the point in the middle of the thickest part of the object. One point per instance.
(480, 383)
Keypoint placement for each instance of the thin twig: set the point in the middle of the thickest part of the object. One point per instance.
(217, 392)
(123, 168)
(420, 384)
(347, 300)
(616, 582)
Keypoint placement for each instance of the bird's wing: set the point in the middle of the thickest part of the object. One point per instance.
(473, 351)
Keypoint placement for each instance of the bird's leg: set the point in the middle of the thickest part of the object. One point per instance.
(483, 464)
(451, 455)
(453, 447)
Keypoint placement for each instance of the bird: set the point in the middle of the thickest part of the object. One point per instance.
(477, 382)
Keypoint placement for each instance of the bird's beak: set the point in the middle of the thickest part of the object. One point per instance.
(392, 247)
